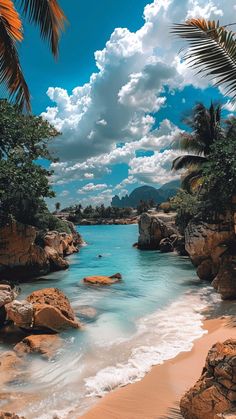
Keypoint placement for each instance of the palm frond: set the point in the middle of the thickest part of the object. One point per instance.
(10, 69)
(186, 161)
(191, 143)
(212, 51)
(190, 181)
(50, 18)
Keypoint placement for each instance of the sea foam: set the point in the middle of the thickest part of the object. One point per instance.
(160, 336)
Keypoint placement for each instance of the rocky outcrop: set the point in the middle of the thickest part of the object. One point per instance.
(46, 345)
(46, 309)
(214, 394)
(11, 367)
(152, 231)
(22, 257)
(212, 249)
(103, 280)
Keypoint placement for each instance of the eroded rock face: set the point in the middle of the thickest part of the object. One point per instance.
(214, 394)
(21, 313)
(225, 281)
(103, 280)
(21, 257)
(45, 345)
(151, 231)
(52, 310)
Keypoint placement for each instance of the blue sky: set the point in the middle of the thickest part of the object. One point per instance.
(117, 93)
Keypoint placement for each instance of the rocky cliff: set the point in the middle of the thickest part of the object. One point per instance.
(214, 394)
(212, 249)
(24, 254)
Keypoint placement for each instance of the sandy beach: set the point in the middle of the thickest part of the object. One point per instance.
(157, 395)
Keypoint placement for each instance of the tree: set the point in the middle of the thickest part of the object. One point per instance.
(212, 51)
(50, 18)
(57, 206)
(207, 128)
(23, 182)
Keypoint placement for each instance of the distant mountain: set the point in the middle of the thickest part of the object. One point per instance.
(147, 193)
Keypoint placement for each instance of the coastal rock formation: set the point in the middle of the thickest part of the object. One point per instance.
(214, 394)
(212, 249)
(21, 313)
(152, 230)
(103, 280)
(21, 256)
(46, 309)
(52, 310)
(45, 345)
(166, 245)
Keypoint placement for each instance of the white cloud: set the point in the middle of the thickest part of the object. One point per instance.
(91, 187)
(120, 102)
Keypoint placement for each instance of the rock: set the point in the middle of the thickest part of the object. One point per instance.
(57, 263)
(21, 313)
(151, 231)
(225, 281)
(7, 415)
(26, 253)
(6, 295)
(214, 394)
(10, 367)
(45, 345)
(87, 312)
(207, 241)
(19, 255)
(3, 316)
(52, 310)
(166, 246)
(179, 246)
(103, 280)
(205, 270)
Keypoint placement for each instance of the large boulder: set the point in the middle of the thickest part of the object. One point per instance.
(52, 310)
(214, 394)
(152, 230)
(207, 241)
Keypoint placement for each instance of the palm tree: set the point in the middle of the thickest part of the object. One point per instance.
(212, 51)
(207, 127)
(50, 18)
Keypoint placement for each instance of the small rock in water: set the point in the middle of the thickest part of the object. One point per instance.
(7, 415)
(103, 280)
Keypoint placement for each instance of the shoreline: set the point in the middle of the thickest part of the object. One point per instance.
(156, 396)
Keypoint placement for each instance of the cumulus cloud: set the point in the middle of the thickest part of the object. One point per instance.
(112, 116)
(91, 187)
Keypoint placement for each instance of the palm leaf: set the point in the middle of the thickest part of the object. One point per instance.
(190, 142)
(50, 18)
(182, 162)
(212, 51)
(190, 181)
(10, 69)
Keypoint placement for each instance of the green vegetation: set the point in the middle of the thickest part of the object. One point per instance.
(187, 206)
(207, 128)
(23, 181)
(77, 213)
(48, 16)
(212, 51)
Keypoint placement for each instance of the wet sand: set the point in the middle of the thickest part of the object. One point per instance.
(156, 396)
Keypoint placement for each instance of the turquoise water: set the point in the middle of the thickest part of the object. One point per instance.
(151, 316)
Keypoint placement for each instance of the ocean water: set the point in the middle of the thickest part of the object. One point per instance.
(155, 313)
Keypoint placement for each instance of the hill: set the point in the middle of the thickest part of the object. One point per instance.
(147, 193)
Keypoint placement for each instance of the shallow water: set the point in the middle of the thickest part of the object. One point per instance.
(155, 313)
